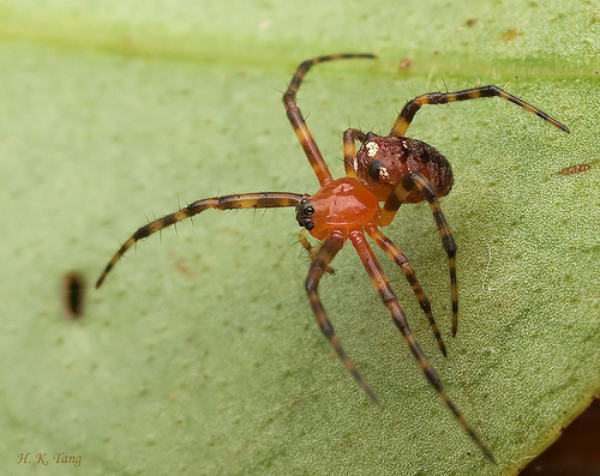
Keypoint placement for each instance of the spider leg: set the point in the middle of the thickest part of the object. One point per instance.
(312, 250)
(229, 202)
(330, 248)
(350, 135)
(391, 206)
(297, 121)
(401, 260)
(391, 302)
(410, 109)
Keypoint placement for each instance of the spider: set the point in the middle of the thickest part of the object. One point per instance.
(392, 169)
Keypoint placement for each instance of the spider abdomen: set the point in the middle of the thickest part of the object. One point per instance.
(382, 162)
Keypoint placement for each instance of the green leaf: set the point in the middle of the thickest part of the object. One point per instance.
(200, 354)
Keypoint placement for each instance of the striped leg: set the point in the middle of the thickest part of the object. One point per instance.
(350, 135)
(330, 248)
(391, 302)
(295, 116)
(410, 109)
(401, 260)
(230, 202)
(391, 206)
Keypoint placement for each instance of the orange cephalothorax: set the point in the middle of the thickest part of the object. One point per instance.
(382, 162)
(344, 204)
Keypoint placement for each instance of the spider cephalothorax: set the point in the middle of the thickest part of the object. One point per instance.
(394, 170)
(343, 204)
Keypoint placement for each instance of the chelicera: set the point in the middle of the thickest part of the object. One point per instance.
(392, 170)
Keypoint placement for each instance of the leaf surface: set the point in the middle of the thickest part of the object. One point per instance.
(200, 354)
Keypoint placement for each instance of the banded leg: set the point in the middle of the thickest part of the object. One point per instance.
(310, 249)
(391, 302)
(330, 248)
(229, 202)
(401, 260)
(295, 116)
(410, 109)
(350, 135)
(391, 206)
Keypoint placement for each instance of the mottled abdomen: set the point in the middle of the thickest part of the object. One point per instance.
(382, 162)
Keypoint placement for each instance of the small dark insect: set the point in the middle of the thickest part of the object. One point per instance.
(392, 169)
(73, 290)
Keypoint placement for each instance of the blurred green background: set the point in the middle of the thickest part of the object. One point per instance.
(200, 354)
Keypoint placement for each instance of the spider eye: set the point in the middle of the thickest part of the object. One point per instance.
(303, 214)
(374, 169)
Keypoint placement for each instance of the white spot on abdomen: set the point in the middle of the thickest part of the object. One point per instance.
(372, 149)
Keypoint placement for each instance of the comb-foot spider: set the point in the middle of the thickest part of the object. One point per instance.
(391, 169)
